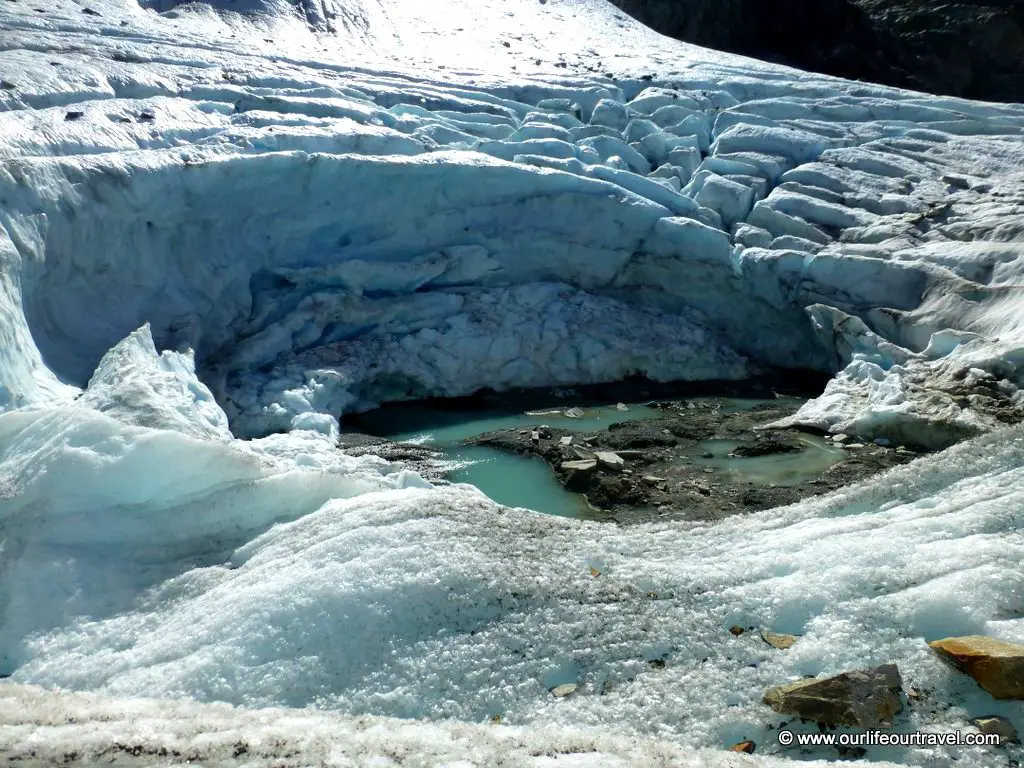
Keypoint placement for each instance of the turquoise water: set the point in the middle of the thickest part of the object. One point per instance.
(508, 478)
(516, 481)
(521, 481)
(775, 469)
(445, 428)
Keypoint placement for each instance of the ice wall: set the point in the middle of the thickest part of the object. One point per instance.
(327, 238)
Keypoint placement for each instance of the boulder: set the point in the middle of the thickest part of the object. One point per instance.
(1000, 726)
(996, 665)
(561, 691)
(864, 698)
(763, 448)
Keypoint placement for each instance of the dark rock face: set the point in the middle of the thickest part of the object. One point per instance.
(972, 48)
(864, 698)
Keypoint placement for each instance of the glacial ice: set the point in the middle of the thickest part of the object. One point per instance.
(220, 232)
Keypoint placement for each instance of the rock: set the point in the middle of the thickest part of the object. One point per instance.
(746, 746)
(764, 448)
(864, 698)
(582, 465)
(968, 48)
(778, 640)
(840, 438)
(561, 691)
(736, 630)
(630, 454)
(610, 460)
(653, 479)
(854, 446)
(582, 453)
(74, 115)
(567, 440)
(574, 413)
(535, 436)
(621, 407)
(994, 724)
(996, 665)
(707, 455)
(882, 441)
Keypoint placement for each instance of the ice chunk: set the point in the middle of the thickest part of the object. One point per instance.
(732, 201)
(610, 114)
(136, 385)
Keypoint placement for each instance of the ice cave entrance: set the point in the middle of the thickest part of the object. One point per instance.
(522, 481)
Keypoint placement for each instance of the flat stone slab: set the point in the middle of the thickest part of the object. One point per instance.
(630, 453)
(583, 465)
(996, 665)
(610, 460)
(561, 691)
(863, 698)
(778, 640)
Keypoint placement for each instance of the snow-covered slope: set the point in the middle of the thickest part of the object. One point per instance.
(353, 202)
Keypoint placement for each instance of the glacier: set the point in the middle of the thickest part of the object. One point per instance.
(225, 226)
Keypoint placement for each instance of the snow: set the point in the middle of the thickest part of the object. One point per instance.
(82, 729)
(385, 596)
(262, 221)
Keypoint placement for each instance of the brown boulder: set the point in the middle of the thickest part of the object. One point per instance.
(863, 698)
(996, 665)
(1000, 726)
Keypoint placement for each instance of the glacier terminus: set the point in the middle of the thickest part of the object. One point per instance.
(225, 227)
